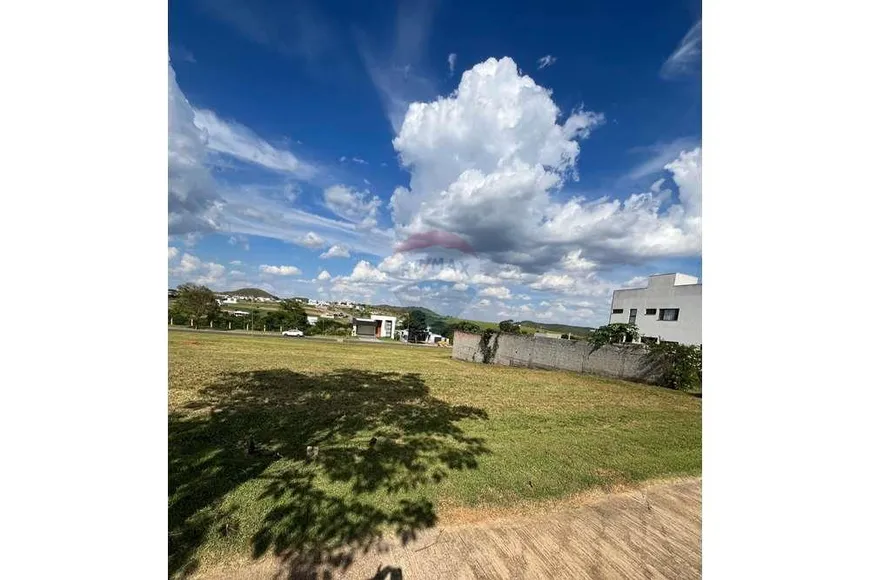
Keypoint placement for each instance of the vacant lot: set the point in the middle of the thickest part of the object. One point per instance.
(406, 437)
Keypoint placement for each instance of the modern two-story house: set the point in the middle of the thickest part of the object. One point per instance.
(669, 308)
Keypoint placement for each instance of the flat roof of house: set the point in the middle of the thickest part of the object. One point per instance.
(665, 274)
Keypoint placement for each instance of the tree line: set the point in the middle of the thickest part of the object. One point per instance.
(198, 307)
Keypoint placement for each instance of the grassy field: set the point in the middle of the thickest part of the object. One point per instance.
(405, 436)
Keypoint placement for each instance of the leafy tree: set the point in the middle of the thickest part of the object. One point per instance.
(416, 326)
(196, 303)
(509, 326)
(290, 314)
(437, 325)
(613, 333)
(329, 326)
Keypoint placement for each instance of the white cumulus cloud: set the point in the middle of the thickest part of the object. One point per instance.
(192, 269)
(366, 272)
(500, 292)
(336, 251)
(280, 270)
(311, 240)
(487, 161)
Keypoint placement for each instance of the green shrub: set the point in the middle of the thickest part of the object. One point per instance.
(613, 333)
(679, 365)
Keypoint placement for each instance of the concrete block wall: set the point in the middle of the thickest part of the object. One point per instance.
(618, 361)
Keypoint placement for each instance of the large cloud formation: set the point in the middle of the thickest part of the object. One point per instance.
(193, 197)
(486, 161)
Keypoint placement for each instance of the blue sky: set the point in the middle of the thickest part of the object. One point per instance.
(307, 140)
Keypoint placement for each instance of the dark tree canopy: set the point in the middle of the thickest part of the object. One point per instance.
(196, 302)
(417, 326)
(291, 315)
(509, 326)
(463, 326)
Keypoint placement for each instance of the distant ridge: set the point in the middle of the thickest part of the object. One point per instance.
(254, 292)
(560, 328)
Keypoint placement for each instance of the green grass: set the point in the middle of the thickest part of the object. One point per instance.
(448, 434)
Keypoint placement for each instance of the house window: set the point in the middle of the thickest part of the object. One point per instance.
(617, 310)
(650, 311)
(632, 316)
(670, 314)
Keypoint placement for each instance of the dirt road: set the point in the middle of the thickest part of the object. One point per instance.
(653, 532)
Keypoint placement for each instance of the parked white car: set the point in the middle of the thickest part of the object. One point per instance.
(292, 332)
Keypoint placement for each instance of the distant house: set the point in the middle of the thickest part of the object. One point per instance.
(312, 320)
(240, 313)
(431, 337)
(230, 300)
(173, 293)
(375, 326)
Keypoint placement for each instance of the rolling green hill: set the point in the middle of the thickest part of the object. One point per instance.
(561, 328)
(440, 324)
(255, 292)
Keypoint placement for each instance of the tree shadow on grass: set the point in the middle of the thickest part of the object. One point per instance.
(377, 434)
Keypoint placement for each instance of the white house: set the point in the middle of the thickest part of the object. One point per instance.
(432, 338)
(376, 325)
(669, 308)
